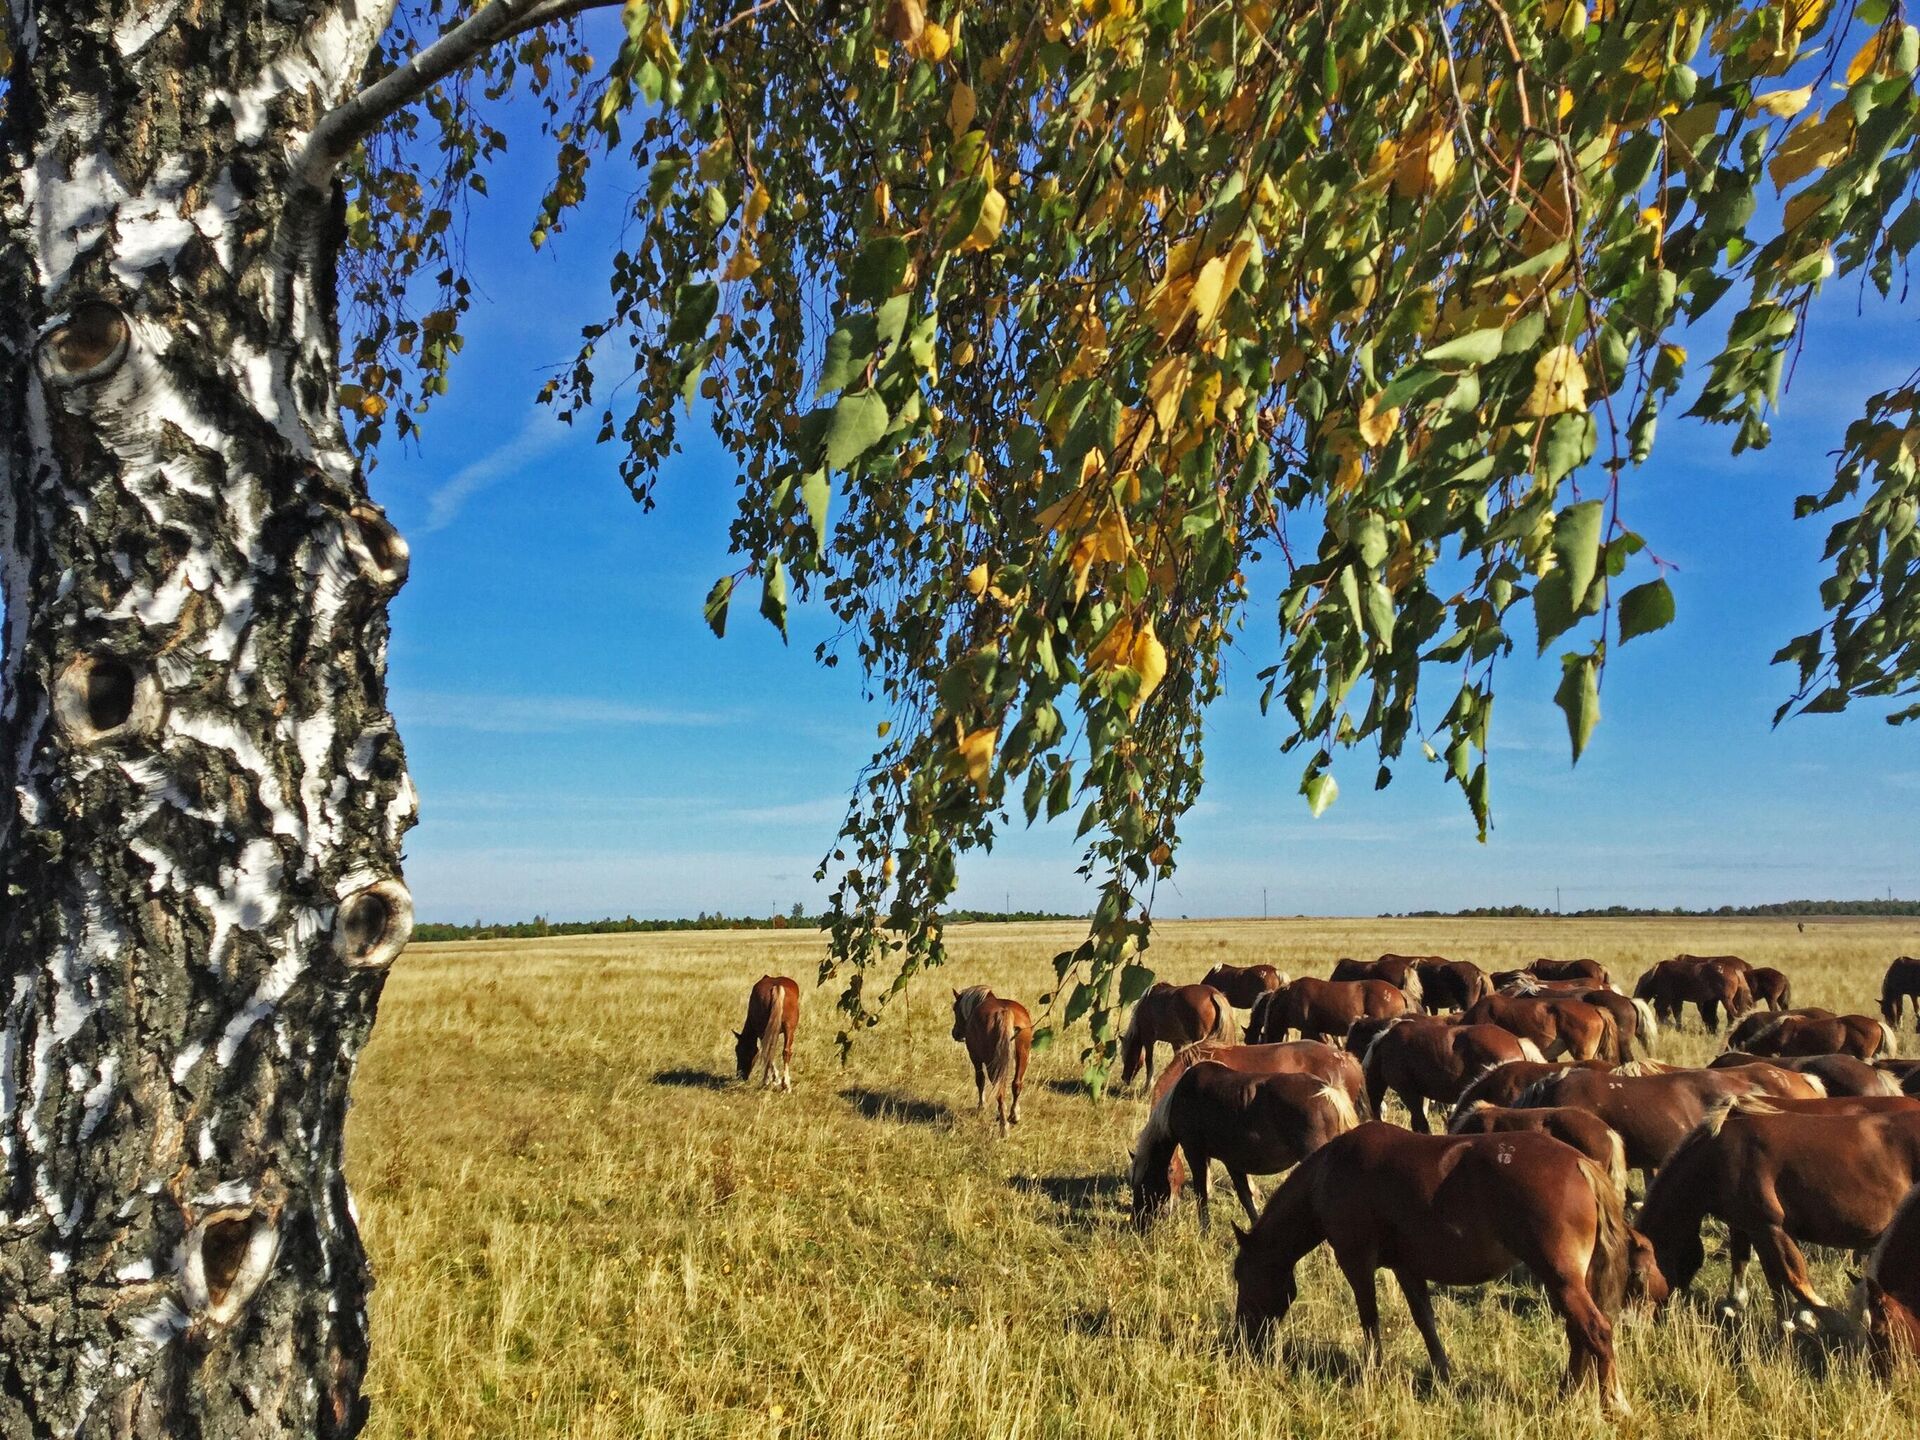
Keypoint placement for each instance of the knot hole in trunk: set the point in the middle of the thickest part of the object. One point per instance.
(383, 557)
(228, 1254)
(103, 698)
(89, 346)
(373, 925)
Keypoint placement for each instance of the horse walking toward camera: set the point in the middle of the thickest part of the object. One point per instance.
(998, 1035)
(1448, 1210)
(1178, 1016)
(1252, 1124)
(766, 1040)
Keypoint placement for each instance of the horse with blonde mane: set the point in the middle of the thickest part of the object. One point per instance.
(1252, 1124)
(998, 1035)
(1178, 1016)
(766, 1040)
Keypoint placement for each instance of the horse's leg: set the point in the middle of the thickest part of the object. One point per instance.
(1244, 1190)
(1000, 1101)
(1786, 1271)
(1200, 1166)
(1589, 1341)
(1022, 1045)
(1420, 1303)
(1739, 1251)
(786, 1059)
(1359, 1272)
(1416, 1104)
(979, 1086)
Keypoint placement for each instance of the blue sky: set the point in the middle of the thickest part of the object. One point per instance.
(584, 746)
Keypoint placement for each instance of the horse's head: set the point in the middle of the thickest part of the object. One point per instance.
(1893, 1330)
(1264, 1289)
(1890, 1007)
(743, 1052)
(1674, 1237)
(1216, 976)
(1152, 1189)
(959, 1016)
(1645, 1282)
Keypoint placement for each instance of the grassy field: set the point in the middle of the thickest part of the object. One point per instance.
(582, 1227)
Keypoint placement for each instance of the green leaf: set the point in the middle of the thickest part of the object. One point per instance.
(859, 420)
(715, 609)
(1471, 350)
(1576, 545)
(773, 594)
(849, 350)
(879, 270)
(1645, 608)
(814, 491)
(693, 311)
(1321, 791)
(1579, 697)
(1135, 980)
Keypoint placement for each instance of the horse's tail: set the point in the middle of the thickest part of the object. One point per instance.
(1226, 1024)
(1611, 1039)
(1889, 1046)
(1529, 1051)
(1414, 990)
(1006, 1030)
(1617, 1161)
(1649, 1026)
(770, 1031)
(1346, 1117)
(1607, 1270)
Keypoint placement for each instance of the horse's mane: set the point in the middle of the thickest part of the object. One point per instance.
(970, 1000)
(1342, 1103)
(1157, 1131)
(1639, 1069)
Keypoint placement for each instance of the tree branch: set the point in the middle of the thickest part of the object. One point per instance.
(350, 122)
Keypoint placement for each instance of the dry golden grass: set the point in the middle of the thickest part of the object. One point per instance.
(583, 1228)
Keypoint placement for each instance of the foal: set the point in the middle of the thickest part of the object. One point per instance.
(998, 1035)
(773, 1018)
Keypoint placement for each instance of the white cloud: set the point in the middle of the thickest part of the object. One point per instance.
(540, 434)
(540, 714)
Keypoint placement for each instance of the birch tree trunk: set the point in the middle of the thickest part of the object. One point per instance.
(204, 799)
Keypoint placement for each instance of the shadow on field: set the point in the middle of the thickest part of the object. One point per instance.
(1072, 1089)
(903, 1109)
(692, 1079)
(1086, 1199)
(1321, 1359)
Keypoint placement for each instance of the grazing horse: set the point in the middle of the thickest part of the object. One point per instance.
(1891, 1289)
(1178, 1015)
(1634, 1019)
(1244, 984)
(1420, 1058)
(1328, 1063)
(1778, 1179)
(1582, 1129)
(1840, 1074)
(1861, 1036)
(1449, 984)
(1592, 971)
(1448, 1210)
(1400, 971)
(1711, 983)
(1503, 1084)
(773, 1019)
(1902, 982)
(1320, 1009)
(1654, 1114)
(998, 1035)
(1762, 1021)
(1558, 1027)
(1252, 1124)
(1770, 987)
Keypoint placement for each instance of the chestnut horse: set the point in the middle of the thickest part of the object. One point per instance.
(1891, 1289)
(1654, 1114)
(1421, 1058)
(773, 1019)
(1322, 1008)
(1634, 1019)
(1770, 987)
(1711, 983)
(1759, 1022)
(1558, 1027)
(1902, 982)
(1840, 1074)
(1861, 1036)
(1592, 971)
(1400, 971)
(1297, 1057)
(1178, 1016)
(1449, 984)
(1244, 984)
(1252, 1124)
(998, 1035)
(1448, 1210)
(1582, 1129)
(1778, 1179)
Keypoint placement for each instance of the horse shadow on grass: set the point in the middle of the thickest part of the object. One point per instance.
(902, 1109)
(693, 1079)
(1083, 1201)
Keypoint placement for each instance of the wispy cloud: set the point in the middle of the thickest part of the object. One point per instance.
(542, 714)
(540, 434)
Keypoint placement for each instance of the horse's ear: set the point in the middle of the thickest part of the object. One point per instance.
(956, 994)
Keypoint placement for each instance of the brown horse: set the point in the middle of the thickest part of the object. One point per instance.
(1777, 1180)
(1448, 1210)
(1244, 984)
(1400, 971)
(1328, 1063)
(1711, 983)
(1503, 1084)
(1558, 1027)
(1420, 1058)
(1582, 1129)
(1634, 1019)
(1320, 1009)
(773, 1019)
(1902, 983)
(1178, 1016)
(1770, 987)
(1861, 1036)
(1592, 971)
(1449, 984)
(1840, 1074)
(998, 1035)
(1891, 1289)
(1252, 1124)
(1761, 1021)
(1654, 1114)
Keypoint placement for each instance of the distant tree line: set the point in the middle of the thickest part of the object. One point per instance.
(1805, 909)
(795, 919)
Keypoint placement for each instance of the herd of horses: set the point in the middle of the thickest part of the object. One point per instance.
(1804, 1130)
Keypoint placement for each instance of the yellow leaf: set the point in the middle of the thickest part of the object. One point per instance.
(1426, 165)
(976, 753)
(934, 42)
(986, 230)
(1377, 425)
(1217, 280)
(1559, 384)
(757, 203)
(1781, 104)
(1115, 647)
(977, 581)
(1149, 657)
(1875, 55)
(742, 263)
(1166, 384)
(904, 20)
(961, 108)
(1812, 145)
